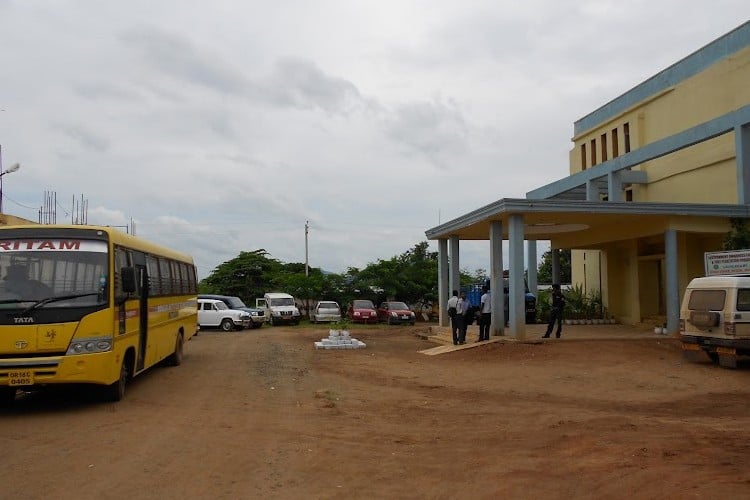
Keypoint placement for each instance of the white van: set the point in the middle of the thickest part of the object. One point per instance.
(715, 319)
(280, 308)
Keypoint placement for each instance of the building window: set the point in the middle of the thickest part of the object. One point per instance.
(629, 194)
(593, 152)
(604, 147)
(626, 133)
(583, 156)
(615, 151)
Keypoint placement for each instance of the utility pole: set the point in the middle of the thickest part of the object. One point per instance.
(307, 267)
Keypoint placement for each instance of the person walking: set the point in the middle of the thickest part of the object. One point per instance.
(453, 314)
(556, 313)
(485, 309)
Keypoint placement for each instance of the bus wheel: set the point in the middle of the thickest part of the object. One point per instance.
(227, 325)
(7, 396)
(175, 359)
(116, 391)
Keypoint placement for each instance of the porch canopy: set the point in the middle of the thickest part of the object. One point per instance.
(572, 224)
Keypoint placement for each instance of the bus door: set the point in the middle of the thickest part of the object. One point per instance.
(142, 274)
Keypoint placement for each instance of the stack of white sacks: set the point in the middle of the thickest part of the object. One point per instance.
(339, 339)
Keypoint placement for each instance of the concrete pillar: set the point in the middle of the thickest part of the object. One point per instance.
(742, 148)
(673, 288)
(531, 265)
(443, 289)
(592, 191)
(614, 186)
(455, 271)
(516, 302)
(555, 254)
(496, 278)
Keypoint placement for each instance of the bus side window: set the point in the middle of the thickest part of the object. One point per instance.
(127, 275)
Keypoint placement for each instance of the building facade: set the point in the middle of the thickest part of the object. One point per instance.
(655, 176)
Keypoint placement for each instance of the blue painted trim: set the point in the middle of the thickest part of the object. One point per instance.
(699, 133)
(719, 49)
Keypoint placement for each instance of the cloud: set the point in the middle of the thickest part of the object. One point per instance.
(433, 129)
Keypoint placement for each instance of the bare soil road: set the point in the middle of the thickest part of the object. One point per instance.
(262, 414)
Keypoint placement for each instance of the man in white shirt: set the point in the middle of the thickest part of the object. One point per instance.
(485, 307)
(464, 309)
(454, 315)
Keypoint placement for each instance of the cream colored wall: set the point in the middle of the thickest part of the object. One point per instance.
(716, 91)
(704, 173)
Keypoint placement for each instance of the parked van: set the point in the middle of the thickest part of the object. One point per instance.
(715, 319)
(280, 308)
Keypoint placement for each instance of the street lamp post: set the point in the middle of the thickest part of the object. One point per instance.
(9, 170)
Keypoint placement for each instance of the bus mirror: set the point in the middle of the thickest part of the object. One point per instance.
(128, 279)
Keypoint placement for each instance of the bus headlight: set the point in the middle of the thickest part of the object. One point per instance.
(90, 345)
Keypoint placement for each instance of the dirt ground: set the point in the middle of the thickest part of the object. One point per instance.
(262, 414)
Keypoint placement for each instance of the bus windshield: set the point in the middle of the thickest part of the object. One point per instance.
(53, 273)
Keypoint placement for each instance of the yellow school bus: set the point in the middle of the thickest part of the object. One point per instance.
(89, 305)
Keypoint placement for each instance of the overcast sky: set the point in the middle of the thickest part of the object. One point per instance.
(223, 126)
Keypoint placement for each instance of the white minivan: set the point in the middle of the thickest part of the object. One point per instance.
(715, 319)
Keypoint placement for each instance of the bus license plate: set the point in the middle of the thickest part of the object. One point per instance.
(21, 377)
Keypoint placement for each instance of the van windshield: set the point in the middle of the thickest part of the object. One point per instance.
(284, 301)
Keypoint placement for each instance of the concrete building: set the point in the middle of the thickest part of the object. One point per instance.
(656, 175)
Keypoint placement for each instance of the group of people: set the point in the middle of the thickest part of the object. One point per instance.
(462, 314)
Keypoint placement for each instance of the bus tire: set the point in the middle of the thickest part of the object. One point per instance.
(175, 359)
(227, 325)
(115, 392)
(7, 396)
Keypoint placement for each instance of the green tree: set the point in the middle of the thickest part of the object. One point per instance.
(544, 271)
(246, 276)
(739, 236)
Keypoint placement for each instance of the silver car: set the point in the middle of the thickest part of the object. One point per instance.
(325, 311)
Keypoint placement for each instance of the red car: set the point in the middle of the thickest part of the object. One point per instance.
(395, 313)
(362, 311)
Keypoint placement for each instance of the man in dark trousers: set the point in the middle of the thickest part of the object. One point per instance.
(456, 318)
(556, 313)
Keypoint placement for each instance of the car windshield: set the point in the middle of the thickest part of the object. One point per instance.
(235, 302)
(328, 305)
(399, 306)
(363, 304)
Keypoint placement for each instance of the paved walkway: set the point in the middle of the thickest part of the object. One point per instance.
(442, 336)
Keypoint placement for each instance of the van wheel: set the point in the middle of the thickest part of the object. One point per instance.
(713, 356)
(227, 325)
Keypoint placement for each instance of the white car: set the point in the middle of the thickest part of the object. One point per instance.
(325, 311)
(213, 313)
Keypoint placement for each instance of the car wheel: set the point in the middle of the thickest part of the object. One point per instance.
(227, 325)
(411, 323)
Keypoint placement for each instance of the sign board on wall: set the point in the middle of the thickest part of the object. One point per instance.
(731, 262)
